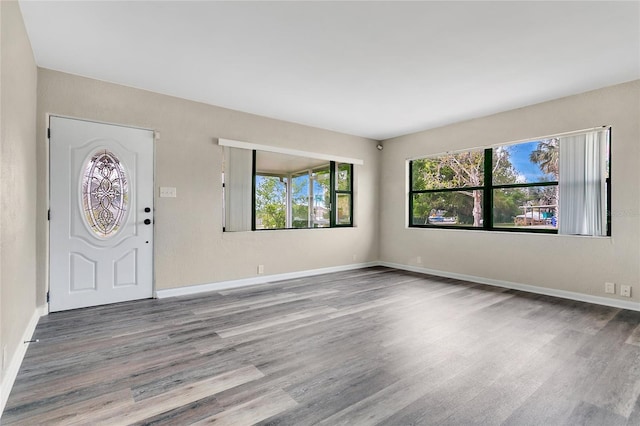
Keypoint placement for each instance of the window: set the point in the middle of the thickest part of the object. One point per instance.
(552, 185)
(270, 202)
(343, 194)
(272, 190)
(298, 192)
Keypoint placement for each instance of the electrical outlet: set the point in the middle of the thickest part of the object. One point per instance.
(625, 290)
(610, 288)
(355, 257)
(260, 269)
(419, 259)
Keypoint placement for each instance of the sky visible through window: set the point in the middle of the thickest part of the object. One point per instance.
(526, 170)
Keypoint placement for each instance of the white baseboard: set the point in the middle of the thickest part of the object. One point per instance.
(623, 304)
(11, 373)
(262, 279)
(18, 355)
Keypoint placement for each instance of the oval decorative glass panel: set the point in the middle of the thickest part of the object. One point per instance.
(105, 193)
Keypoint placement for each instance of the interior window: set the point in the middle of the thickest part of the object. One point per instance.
(267, 190)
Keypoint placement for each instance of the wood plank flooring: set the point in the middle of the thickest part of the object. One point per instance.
(364, 347)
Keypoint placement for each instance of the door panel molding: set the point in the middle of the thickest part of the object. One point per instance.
(121, 186)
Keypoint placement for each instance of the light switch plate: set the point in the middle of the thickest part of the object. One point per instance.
(610, 288)
(167, 192)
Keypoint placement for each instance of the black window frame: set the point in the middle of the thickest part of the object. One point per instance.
(334, 196)
(487, 205)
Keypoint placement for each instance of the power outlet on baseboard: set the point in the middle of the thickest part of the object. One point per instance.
(260, 269)
(610, 288)
(625, 290)
(419, 259)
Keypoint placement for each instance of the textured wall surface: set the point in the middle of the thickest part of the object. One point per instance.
(18, 79)
(571, 263)
(190, 247)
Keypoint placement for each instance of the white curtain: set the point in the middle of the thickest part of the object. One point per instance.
(238, 165)
(582, 205)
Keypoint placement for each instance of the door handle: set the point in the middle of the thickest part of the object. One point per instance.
(147, 221)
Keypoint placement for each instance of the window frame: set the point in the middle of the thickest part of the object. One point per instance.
(333, 195)
(488, 187)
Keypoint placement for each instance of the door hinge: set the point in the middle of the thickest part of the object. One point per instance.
(48, 214)
(47, 297)
(49, 133)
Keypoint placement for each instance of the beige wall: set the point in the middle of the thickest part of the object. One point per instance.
(190, 247)
(18, 78)
(577, 264)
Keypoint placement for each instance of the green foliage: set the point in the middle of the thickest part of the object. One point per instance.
(449, 171)
(270, 202)
(503, 171)
(547, 156)
(343, 214)
(271, 198)
(300, 201)
(461, 170)
(343, 176)
(300, 216)
(465, 170)
(506, 204)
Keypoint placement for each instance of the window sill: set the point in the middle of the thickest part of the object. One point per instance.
(502, 231)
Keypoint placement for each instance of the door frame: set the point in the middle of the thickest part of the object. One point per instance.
(47, 257)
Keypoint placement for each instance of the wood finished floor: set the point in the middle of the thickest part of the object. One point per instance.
(372, 346)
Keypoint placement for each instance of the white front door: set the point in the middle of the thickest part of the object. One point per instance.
(101, 218)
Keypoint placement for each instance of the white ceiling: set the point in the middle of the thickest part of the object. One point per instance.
(374, 69)
(276, 163)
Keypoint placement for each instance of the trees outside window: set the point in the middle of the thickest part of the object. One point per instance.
(509, 187)
(271, 207)
(318, 197)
